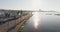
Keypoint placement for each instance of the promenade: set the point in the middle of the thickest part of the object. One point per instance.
(13, 25)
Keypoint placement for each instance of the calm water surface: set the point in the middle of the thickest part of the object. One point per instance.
(41, 22)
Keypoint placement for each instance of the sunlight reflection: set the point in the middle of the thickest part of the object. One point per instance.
(36, 19)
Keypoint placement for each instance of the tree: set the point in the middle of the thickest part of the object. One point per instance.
(7, 14)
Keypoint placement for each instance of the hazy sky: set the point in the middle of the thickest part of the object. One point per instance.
(30, 4)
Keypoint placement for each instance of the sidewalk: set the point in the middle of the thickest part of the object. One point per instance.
(20, 22)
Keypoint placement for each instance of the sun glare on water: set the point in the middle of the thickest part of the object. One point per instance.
(36, 19)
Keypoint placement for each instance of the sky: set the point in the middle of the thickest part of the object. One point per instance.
(30, 4)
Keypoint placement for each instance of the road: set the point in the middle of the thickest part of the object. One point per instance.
(40, 22)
